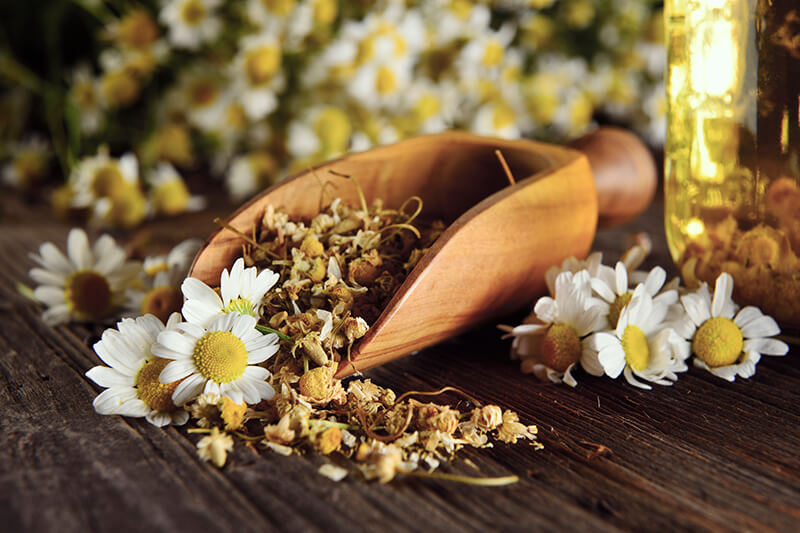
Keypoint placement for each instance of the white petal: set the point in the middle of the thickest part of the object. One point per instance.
(602, 340)
(180, 417)
(108, 377)
(764, 326)
(722, 294)
(194, 331)
(747, 315)
(232, 391)
(188, 389)
(655, 280)
(568, 378)
(766, 346)
(134, 408)
(110, 400)
(159, 419)
(48, 295)
(176, 370)
(176, 342)
(262, 354)
(51, 258)
(590, 361)
(613, 360)
(724, 372)
(47, 277)
(696, 308)
(56, 315)
(194, 289)
(78, 249)
(243, 324)
(249, 390)
(546, 309)
(603, 290)
(630, 379)
(620, 278)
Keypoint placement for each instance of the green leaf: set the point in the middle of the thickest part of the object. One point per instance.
(265, 330)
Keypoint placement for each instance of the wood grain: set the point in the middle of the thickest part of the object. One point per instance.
(703, 455)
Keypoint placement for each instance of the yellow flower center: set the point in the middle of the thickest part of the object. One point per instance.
(333, 129)
(236, 117)
(461, 8)
(561, 346)
(162, 302)
(279, 7)
(718, 342)
(203, 93)
(239, 305)
(616, 307)
(121, 88)
(170, 198)
(193, 12)
(107, 181)
(220, 356)
(156, 268)
(325, 11)
(503, 116)
(385, 81)
(264, 168)
(173, 143)
(128, 207)
(261, 64)
(427, 106)
(492, 54)
(637, 351)
(84, 95)
(30, 166)
(88, 295)
(137, 29)
(156, 395)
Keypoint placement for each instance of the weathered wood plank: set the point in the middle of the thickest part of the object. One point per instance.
(701, 455)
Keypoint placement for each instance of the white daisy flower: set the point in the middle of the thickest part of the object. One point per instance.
(28, 165)
(496, 118)
(613, 287)
(218, 359)
(381, 84)
(242, 291)
(483, 55)
(324, 130)
(101, 176)
(88, 284)
(84, 93)
(394, 35)
(456, 20)
(159, 293)
(169, 194)
(431, 107)
(257, 74)
(640, 345)
(131, 377)
(572, 264)
(191, 23)
(200, 91)
(269, 14)
(727, 343)
(250, 173)
(552, 347)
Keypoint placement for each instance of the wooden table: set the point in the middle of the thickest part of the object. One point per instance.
(701, 455)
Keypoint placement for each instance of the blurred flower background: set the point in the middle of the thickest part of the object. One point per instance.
(125, 99)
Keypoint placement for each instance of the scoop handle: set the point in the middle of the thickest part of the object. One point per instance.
(624, 170)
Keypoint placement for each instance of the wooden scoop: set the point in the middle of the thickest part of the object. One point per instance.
(501, 238)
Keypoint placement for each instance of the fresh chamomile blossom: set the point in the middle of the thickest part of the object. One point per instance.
(456, 20)
(28, 164)
(483, 55)
(556, 342)
(323, 131)
(614, 290)
(572, 264)
(159, 291)
(200, 93)
(257, 74)
(169, 194)
(379, 85)
(496, 118)
(242, 291)
(136, 29)
(393, 35)
(270, 15)
(250, 173)
(641, 346)
(88, 284)
(84, 94)
(217, 359)
(430, 107)
(724, 342)
(131, 377)
(191, 23)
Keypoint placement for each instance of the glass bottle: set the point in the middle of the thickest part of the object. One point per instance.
(732, 155)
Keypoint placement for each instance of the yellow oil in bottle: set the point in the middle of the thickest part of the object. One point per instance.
(732, 155)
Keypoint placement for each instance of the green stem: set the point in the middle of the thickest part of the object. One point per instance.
(26, 291)
(265, 330)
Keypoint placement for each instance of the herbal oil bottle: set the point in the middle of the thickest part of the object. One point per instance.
(732, 156)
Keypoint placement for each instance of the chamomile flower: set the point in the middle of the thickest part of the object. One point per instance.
(131, 377)
(191, 23)
(250, 173)
(430, 107)
(640, 345)
(110, 188)
(496, 119)
(136, 29)
(724, 342)
(87, 284)
(159, 293)
(572, 264)
(242, 291)
(456, 20)
(218, 359)
(613, 287)
(380, 85)
(169, 195)
(322, 131)
(84, 94)
(201, 93)
(271, 15)
(484, 54)
(257, 74)
(28, 165)
(551, 347)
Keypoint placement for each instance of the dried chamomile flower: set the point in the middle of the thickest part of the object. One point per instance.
(214, 447)
(333, 472)
(512, 430)
(725, 342)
